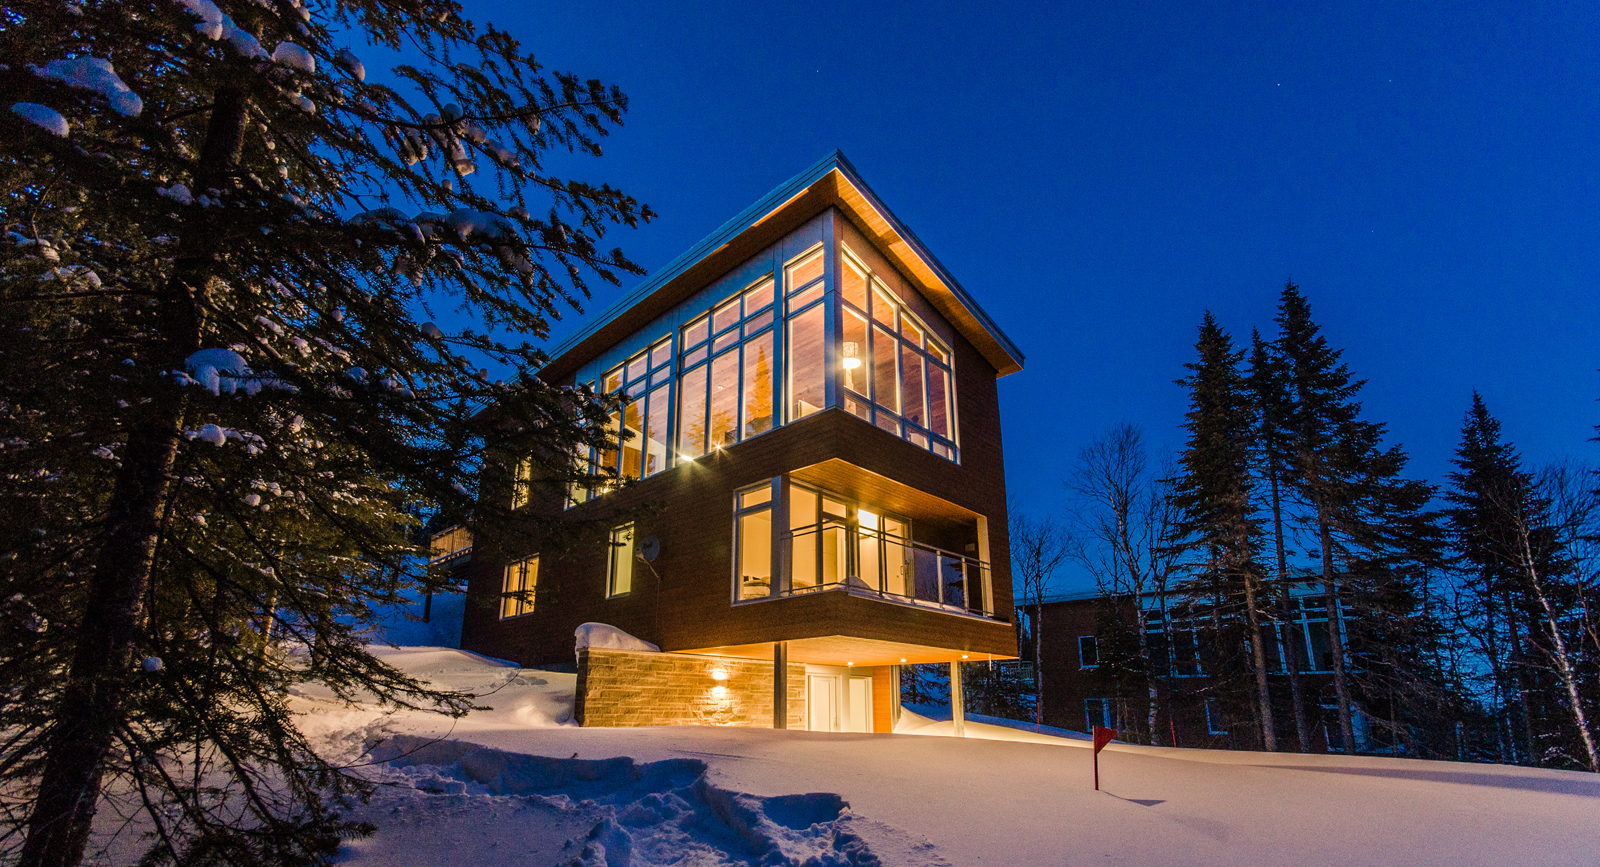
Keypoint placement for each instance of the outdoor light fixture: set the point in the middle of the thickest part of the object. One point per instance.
(902, 660)
(850, 663)
(719, 674)
(852, 355)
(963, 656)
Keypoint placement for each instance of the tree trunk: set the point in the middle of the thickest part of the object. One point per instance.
(1038, 661)
(1291, 647)
(1559, 655)
(1341, 685)
(1519, 677)
(103, 665)
(1269, 733)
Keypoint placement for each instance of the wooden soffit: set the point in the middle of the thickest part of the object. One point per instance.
(848, 650)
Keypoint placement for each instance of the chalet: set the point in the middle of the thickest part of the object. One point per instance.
(813, 405)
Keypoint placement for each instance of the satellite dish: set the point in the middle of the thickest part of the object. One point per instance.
(649, 548)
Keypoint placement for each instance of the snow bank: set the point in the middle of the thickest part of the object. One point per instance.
(982, 727)
(609, 638)
(611, 811)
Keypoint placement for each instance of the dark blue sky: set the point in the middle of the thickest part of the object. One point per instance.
(1097, 178)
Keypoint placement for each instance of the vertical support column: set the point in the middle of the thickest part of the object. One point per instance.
(780, 684)
(958, 702)
(987, 570)
(831, 329)
(894, 697)
(781, 555)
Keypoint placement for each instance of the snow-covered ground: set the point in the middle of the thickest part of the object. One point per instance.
(521, 784)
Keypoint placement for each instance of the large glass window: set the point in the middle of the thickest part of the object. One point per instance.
(759, 359)
(893, 372)
(727, 360)
(520, 583)
(833, 542)
(753, 542)
(619, 572)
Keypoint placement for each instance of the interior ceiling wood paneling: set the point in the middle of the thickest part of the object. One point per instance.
(846, 650)
(866, 486)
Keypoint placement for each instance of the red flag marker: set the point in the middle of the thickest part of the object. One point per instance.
(1102, 736)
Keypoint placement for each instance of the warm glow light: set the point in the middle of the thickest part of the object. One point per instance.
(902, 659)
(849, 663)
(963, 656)
(719, 674)
(852, 355)
(719, 691)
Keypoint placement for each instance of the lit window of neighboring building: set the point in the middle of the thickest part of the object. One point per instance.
(521, 581)
(619, 572)
(1088, 652)
(895, 373)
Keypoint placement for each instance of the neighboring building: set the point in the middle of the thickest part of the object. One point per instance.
(1193, 709)
(813, 403)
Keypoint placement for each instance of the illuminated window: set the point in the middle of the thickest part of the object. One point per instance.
(521, 580)
(728, 363)
(753, 543)
(522, 483)
(893, 371)
(619, 572)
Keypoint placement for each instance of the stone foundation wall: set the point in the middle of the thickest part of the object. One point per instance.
(630, 688)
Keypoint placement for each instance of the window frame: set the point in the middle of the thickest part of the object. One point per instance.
(1094, 642)
(619, 552)
(523, 607)
(892, 326)
(740, 512)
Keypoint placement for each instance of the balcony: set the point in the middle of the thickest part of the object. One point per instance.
(451, 547)
(876, 562)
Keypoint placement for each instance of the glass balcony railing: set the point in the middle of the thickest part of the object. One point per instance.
(835, 555)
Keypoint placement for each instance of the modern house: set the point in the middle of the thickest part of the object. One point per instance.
(813, 407)
(1084, 634)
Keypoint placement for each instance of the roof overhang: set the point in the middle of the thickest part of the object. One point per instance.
(832, 182)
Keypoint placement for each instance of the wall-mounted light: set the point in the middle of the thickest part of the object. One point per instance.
(719, 674)
(852, 355)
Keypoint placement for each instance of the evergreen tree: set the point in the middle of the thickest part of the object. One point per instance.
(1214, 496)
(1517, 539)
(222, 406)
(1362, 511)
(1269, 391)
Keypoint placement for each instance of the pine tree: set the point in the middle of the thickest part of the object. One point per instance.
(1214, 495)
(1516, 536)
(1368, 520)
(223, 409)
(1269, 392)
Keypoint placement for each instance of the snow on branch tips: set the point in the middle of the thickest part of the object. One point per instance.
(42, 115)
(223, 371)
(96, 74)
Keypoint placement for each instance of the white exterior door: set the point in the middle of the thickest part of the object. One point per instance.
(822, 703)
(860, 705)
